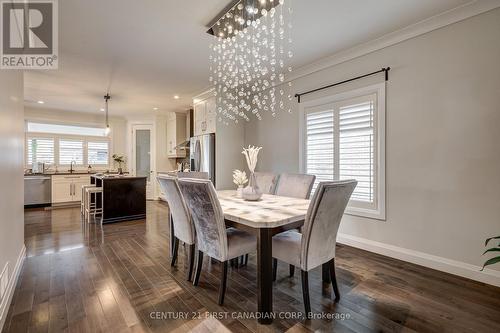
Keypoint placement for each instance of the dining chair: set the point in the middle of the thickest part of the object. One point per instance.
(212, 237)
(315, 246)
(295, 185)
(267, 181)
(183, 228)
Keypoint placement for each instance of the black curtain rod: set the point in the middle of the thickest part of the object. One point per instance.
(383, 70)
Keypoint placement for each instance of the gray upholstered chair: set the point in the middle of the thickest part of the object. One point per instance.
(295, 185)
(182, 226)
(315, 246)
(267, 181)
(212, 237)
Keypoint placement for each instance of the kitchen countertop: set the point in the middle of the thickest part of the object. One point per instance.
(67, 173)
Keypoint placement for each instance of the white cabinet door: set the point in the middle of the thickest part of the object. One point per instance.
(211, 124)
(199, 118)
(62, 191)
(210, 115)
(77, 187)
(171, 134)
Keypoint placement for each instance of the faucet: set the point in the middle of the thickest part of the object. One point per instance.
(71, 166)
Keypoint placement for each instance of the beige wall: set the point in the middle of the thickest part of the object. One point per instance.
(118, 125)
(11, 176)
(442, 144)
(229, 142)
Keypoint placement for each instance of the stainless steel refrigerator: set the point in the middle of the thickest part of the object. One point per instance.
(202, 154)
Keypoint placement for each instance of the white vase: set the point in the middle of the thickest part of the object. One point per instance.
(239, 191)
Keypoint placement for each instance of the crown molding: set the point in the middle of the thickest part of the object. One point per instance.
(448, 17)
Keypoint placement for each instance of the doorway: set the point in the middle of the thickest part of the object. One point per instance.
(143, 156)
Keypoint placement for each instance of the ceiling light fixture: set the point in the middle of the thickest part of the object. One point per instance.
(176, 97)
(102, 109)
(41, 102)
(155, 109)
(250, 58)
(106, 99)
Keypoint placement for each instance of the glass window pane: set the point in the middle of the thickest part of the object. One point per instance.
(142, 153)
(40, 150)
(65, 129)
(70, 150)
(98, 153)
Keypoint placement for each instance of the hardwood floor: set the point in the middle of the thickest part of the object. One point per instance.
(81, 278)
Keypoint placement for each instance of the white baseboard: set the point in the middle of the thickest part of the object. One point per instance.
(11, 287)
(459, 268)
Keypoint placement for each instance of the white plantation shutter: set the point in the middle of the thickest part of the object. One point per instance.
(97, 152)
(40, 150)
(341, 143)
(70, 150)
(319, 144)
(357, 146)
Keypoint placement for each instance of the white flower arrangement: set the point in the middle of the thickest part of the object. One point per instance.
(240, 177)
(251, 156)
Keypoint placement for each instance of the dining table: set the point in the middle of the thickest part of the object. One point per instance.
(265, 218)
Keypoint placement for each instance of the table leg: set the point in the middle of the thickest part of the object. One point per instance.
(265, 276)
(326, 273)
(172, 238)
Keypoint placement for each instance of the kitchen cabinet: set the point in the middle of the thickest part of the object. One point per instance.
(205, 116)
(176, 134)
(68, 188)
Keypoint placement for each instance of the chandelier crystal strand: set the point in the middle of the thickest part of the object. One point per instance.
(249, 60)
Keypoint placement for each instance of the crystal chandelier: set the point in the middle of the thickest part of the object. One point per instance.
(249, 60)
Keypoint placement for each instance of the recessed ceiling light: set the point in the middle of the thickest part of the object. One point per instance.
(156, 109)
(102, 109)
(40, 102)
(176, 96)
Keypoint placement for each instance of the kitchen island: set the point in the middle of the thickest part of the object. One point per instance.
(123, 198)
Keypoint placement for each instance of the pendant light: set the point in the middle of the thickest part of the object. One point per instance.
(108, 129)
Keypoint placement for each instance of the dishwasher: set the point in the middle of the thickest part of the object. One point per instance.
(37, 191)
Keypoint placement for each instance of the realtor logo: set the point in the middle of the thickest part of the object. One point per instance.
(29, 34)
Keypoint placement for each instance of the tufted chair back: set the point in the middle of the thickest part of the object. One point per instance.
(183, 227)
(319, 234)
(295, 185)
(267, 181)
(207, 216)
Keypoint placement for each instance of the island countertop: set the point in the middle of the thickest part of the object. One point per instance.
(111, 177)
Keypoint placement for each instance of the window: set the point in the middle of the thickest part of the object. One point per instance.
(69, 151)
(61, 144)
(97, 153)
(65, 129)
(344, 139)
(40, 150)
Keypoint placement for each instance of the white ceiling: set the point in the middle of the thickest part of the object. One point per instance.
(145, 52)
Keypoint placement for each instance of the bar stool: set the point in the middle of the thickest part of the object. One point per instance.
(82, 201)
(91, 207)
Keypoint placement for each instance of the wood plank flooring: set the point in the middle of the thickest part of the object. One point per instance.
(84, 278)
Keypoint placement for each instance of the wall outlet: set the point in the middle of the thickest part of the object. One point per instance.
(4, 281)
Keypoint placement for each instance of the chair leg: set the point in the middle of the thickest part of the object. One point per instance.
(333, 277)
(275, 268)
(199, 263)
(191, 261)
(174, 251)
(305, 293)
(292, 270)
(223, 281)
(246, 259)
